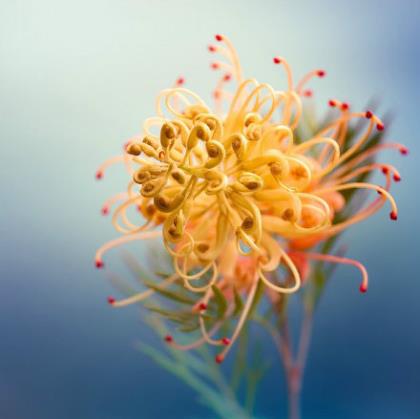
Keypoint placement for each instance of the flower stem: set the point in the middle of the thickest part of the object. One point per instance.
(295, 365)
(294, 404)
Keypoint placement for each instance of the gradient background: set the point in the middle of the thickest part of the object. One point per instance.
(76, 79)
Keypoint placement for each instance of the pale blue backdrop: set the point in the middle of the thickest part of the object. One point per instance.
(76, 79)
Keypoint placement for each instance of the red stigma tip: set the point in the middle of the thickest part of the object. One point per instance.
(169, 339)
(397, 177)
(227, 77)
(320, 73)
(385, 170)
(99, 264)
(393, 216)
(211, 48)
(308, 93)
(344, 106)
(218, 38)
(111, 300)
(218, 359)
(99, 175)
(105, 211)
(404, 151)
(214, 66)
(380, 127)
(368, 114)
(180, 81)
(202, 306)
(276, 60)
(226, 341)
(363, 288)
(331, 103)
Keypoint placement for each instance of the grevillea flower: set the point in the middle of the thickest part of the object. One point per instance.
(234, 196)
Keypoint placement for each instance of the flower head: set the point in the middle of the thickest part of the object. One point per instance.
(232, 191)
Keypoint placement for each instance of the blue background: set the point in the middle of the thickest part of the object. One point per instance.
(76, 79)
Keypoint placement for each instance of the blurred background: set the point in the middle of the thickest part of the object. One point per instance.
(77, 79)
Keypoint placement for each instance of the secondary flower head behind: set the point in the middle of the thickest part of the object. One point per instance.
(230, 190)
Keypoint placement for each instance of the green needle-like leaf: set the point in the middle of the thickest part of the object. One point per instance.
(220, 301)
(167, 293)
(238, 302)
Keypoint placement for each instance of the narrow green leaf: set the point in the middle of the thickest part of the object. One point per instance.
(163, 275)
(220, 301)
(138, 272)
(258, 295)
(251, 390)
(238, 302)
(189, 328)
(167, 313)
(171, 295)
(182, 317)
(210, 397)
(319, 284)
(240, 360)
(121, 284)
